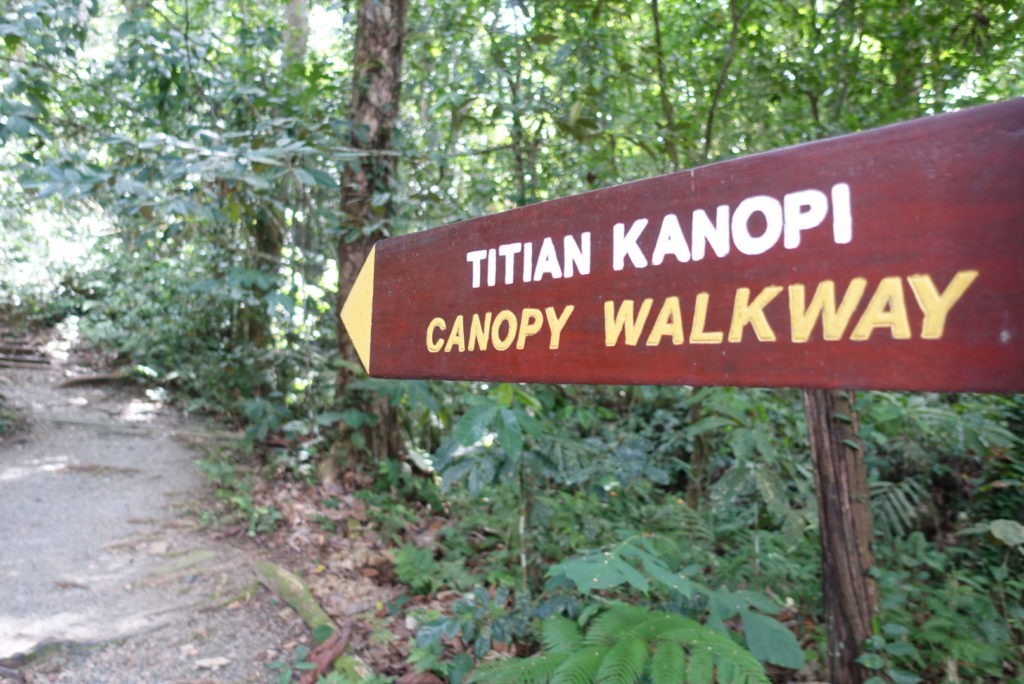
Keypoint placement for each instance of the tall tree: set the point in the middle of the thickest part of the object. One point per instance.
(366, 200)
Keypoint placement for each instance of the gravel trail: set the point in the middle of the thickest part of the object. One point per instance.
(104, 577)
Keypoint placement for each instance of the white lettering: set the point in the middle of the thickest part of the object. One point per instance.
(803, 210)
(475, 257)
(715, 234)
(670, 241)
(770, 208)
(624, 245)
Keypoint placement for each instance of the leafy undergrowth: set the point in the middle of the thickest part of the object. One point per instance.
(350, 551)
(424, 609)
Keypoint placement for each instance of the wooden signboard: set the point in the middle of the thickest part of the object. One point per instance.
(890, 259)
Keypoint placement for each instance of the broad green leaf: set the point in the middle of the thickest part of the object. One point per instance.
(510, 435)
(872, 661)
(769, 640)
(663, 575)
(322, 178)
(1010, 532)
(256, 182)
(472, 425)
(303, 176)
(18, 125)
(595, 572)
(902, 676)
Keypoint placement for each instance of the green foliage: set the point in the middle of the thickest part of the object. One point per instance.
(943, 612)
(234, 499)
(620, 567)
(618, 647)
(417, 568)
(204, 153)
(299, 664)
(480, 620)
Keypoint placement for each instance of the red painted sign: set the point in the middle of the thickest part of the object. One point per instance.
(889, 259)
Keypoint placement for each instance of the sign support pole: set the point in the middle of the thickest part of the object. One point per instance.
(844, 514)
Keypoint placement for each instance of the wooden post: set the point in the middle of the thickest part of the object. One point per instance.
(844, 512)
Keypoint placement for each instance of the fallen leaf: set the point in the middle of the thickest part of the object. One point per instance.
(212, 663)
(419, 678)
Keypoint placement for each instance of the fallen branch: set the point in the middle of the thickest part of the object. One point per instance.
(324, 655)
(295, 593)
(23, 364)
(139, 430)
(101, 379)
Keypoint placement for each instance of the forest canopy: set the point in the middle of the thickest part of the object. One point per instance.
(185, 186)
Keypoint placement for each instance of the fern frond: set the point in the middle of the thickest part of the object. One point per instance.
(580, 667)
(624, 662)
(702, 668)
(693, 525)
(668, 664)
(704, 640)
(624, 622)
(609, 626)
(897, 505)
(560, 635)
(535, 670)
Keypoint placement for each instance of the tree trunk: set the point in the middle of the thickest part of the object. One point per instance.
(296, 32)
(844, 512)
(377, 65)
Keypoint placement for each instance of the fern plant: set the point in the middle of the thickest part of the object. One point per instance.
(625, 643)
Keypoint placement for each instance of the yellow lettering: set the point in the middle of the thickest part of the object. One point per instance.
(936, 306)
(434, 345)
(823, 305)
(746, 312)
(504, 316)
(615, 322)
(531, 323)
(886, 309)
(479, 331)
(700, 313)
(458, 336)
(668, 323)
(556, 323)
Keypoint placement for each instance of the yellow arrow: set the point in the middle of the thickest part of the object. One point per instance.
(357, 312)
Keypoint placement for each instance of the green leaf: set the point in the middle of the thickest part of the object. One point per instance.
(895, 630)
(668, 664)
(672, 580)
(322, 178)
(900, 648)
(329, 417)
(559, 634)
(1010, 532)
(872, 661)
(255, 181)
(603, 571)
(304, 177)
(702, 667)
(902, 676)
(18, 125)
(322, 632)
(510, 435)
(624, 662)
(770, 641)
(473, 424)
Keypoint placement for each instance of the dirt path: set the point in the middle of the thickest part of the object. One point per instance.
(103, 574)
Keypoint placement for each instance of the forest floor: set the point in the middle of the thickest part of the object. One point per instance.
(118, 564)
(106, 574)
